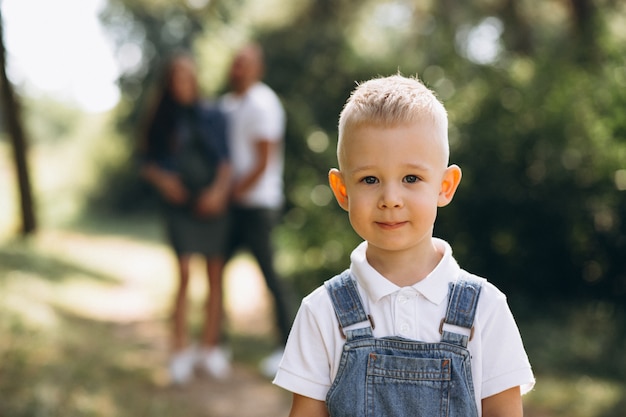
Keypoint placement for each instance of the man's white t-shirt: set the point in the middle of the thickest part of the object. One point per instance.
(314, 348)
(257, 115)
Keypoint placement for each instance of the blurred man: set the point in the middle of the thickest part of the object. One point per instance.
(257, 127)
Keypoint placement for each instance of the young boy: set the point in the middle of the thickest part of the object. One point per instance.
(404, 331)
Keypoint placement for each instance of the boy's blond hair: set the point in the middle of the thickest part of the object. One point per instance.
(393, 101)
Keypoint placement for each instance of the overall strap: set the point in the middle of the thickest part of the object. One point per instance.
(348, 306)
(463, 298)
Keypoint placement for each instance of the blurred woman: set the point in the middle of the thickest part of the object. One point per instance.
(185, 158)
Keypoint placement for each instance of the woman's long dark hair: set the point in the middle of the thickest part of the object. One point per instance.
(161, 117)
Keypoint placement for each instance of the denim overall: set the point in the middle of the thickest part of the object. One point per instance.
(394, 376)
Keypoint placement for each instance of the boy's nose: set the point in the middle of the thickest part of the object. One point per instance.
(390, 198)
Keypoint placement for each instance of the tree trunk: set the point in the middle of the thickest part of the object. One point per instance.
(11, 114)
(586, 30)
(518, 31)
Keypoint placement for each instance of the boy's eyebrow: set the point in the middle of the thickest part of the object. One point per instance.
(409, 165)
(363, 168)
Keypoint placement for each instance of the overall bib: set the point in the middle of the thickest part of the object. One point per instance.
(394, 376)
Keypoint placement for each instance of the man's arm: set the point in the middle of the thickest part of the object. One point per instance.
(263, 150)
(307, 407)
(504, 404)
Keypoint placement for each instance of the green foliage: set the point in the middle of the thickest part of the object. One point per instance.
(539, 210)
(535, 94)
(48, 121)
(568, 346)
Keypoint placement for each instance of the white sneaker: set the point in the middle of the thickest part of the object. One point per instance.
(215, 361)
(181, 366)
(269, 365)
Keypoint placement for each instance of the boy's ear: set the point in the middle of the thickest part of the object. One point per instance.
(335, 179)
(449, 184)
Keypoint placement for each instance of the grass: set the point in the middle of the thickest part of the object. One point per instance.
(57, 360)
(78, 369)
(577, 354)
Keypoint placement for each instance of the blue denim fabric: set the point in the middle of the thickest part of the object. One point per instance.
(398, 377)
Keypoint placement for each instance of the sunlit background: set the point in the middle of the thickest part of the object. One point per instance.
(60, 48)
(536, 94)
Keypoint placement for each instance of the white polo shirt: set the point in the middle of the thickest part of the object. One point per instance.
(255, 116)
(314, 348)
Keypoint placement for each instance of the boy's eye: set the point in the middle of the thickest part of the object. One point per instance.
(411, 178)
(370, 180)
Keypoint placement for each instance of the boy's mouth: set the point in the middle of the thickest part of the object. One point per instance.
(390, 225)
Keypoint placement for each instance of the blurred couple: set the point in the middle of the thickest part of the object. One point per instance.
(218, 168)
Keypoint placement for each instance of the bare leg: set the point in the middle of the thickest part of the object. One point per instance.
(215, 360)
(214, 308)
(179, 317)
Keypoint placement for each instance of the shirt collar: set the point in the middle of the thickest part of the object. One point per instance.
(434, 287)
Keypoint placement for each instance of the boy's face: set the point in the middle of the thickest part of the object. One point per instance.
(391, 182)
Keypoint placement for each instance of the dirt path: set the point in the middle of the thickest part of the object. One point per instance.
(136, 302)
(243, 394)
